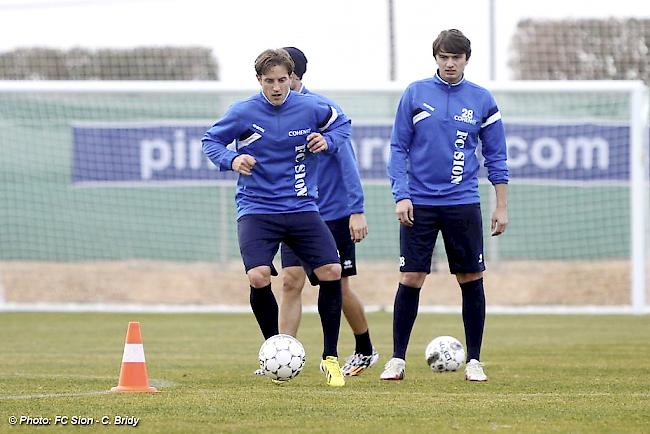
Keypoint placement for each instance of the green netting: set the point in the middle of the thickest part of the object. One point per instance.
(44, 216)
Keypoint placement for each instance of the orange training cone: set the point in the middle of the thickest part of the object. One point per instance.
(133, 375)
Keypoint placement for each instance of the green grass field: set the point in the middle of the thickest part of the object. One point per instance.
(578, 374)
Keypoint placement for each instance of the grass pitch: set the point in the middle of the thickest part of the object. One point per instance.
(575, 374)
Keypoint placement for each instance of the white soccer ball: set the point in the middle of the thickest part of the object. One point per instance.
(282, 357)
(444, 353)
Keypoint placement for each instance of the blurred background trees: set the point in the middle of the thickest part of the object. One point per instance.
(141, 63)
(572, 49)
(586, 49)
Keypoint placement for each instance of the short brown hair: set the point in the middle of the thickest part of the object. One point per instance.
(452, 41)
(270, 58)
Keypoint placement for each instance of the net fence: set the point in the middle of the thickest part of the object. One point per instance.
(107, 198)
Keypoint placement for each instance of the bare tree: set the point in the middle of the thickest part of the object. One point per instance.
(142, 63)
(612, 49)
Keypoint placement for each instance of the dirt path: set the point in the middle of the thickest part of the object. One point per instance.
(513, 283)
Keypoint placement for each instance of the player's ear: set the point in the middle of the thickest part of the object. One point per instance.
(259, 78)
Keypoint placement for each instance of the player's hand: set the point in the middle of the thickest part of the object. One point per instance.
(358, 227)
(404, 211)
(316, 143)
(499, 221)
(243, 164)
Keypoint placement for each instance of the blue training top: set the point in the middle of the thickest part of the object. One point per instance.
(437, 127)
(284, 178)
(339, 186)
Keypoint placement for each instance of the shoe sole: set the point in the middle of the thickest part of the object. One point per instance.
(354, 372)
(392, 378)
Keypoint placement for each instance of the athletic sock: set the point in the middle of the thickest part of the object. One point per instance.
(405, 310)
(363, 344)
(473, 316)
(265, 308)
(330, 301)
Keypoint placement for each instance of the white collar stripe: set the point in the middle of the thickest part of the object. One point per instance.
(267, 100)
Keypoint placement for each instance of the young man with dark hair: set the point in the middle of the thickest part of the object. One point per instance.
(433, 169)
(340, 203)
(278, 134)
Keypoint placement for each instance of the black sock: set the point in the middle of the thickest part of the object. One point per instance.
(265, 309)
(473, 316)
(330, 301)
(363, 344)
(405, 311)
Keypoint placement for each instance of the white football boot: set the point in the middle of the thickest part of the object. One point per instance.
(474, 371)
(395, 369)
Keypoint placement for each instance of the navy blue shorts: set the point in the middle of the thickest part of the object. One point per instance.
(260, 236)
(340, 229)
(462, 233)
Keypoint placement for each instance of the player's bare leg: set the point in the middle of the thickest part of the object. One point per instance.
(353, 308)
(293, 281)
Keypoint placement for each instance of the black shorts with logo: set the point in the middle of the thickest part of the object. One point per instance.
(340, 229)
(260, 236)
(462, 232)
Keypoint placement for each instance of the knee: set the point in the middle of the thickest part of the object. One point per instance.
(293, 279)
(259, 277)
(414, 280)
(468, 277)
(329, 272)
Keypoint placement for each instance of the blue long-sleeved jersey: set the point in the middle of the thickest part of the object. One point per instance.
(284, 178)
(433, 157)
(339, 186)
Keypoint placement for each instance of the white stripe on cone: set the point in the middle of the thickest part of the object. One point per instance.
(133, 353)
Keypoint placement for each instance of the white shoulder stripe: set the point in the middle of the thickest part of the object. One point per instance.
(422, 115)
(331, 120)
(492, 119)
(249, 140)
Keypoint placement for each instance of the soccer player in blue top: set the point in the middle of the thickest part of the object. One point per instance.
(433, 169)
(340, 202)
(277, 135)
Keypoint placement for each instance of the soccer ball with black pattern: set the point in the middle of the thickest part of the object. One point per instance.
(444, 353)
(282, 357)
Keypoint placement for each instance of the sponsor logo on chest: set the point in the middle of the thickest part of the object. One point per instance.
(303, 132)
(467, 116)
